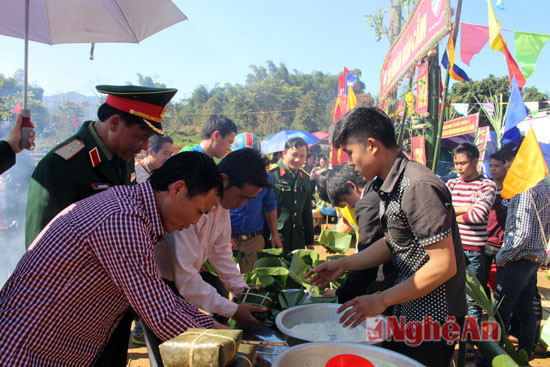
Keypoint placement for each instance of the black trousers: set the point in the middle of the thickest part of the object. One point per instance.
(430, 354)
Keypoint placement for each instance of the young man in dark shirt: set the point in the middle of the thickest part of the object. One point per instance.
(421, 237)
(346, 187)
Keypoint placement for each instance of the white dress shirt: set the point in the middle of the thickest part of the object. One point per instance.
(182, 253)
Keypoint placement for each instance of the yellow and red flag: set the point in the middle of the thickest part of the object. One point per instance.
(497, 43)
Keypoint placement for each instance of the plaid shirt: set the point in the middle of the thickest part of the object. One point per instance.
(523, 233)
(84, 270)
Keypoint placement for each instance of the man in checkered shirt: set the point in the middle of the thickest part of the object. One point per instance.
(95, 260)
(521, 254)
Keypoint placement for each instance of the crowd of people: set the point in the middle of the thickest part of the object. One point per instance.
(111, 241)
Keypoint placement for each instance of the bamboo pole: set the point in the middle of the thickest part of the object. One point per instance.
(445, 88)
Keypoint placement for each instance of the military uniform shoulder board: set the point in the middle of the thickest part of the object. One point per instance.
(70, 149)
(302, 170)
(272, 166)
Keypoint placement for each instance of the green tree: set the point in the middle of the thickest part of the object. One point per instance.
(62, 120)
(11, 93)
(309, 113)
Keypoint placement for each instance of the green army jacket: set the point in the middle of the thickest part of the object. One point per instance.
(73, 170)
(8, 156)
(295, 220)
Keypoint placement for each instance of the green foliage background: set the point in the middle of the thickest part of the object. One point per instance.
(271, 99)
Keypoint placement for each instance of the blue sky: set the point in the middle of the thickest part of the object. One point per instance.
(222, 38)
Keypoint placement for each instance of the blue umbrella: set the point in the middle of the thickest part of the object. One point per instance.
(276, 142)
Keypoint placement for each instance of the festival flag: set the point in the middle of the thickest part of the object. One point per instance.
(498, 43)
(528, 47)
(352, 99)
(516, 112)
(472, 40)
(461, 108)
(449, 63)
(350, 81)
(527, 169)
(489, 107)
(495, 38)
(75, 122)
(17, 108)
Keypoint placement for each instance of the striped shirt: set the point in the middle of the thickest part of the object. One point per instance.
(527, 221)
(480, 193)
(80, 275)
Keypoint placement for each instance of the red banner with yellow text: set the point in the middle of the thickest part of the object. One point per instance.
(418, 147)
(422, 89)
(460, 126)
(429, 22)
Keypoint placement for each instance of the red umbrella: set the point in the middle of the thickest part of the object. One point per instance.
(322, 135)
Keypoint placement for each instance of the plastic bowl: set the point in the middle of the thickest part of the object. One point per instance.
(313, 313)
(318, 354)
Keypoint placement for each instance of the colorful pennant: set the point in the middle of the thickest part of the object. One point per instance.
(449, 63)
(528, 168)
(528, 47)
(498, 43)
(472, 40)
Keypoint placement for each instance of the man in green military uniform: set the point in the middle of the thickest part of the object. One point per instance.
(100, 155)
(293, 190)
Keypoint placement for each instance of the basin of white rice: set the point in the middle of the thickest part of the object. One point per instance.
(330, 331)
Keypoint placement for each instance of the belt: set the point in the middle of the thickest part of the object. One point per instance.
(246, 236)
(531, 258)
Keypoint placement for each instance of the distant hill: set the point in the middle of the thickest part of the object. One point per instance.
(57, 99)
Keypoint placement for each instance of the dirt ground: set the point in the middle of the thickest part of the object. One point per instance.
(137, 355)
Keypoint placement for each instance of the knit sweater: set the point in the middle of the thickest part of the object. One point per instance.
(480, 193)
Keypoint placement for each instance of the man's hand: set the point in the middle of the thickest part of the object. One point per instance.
(14, 135)
(459, 210)
(233, 244)
(244, 314)
(276, 242)
(325, 273)
(329, 293)
(359, 308)
(217, 325)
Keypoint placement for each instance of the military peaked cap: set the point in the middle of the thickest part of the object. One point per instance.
(147, 103)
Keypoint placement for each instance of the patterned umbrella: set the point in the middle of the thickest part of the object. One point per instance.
(276, 142)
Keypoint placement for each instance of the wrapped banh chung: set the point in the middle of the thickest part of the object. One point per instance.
(201, 348)
(246, 356)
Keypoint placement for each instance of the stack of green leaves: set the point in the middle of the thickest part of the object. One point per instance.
(335, 242)
(282, 276)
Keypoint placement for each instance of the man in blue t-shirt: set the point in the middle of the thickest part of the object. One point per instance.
(247, 222)
(217, 135)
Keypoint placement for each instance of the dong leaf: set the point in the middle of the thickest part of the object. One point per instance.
(273, 271)
(270, 252)
(335, 242)
(269, 262)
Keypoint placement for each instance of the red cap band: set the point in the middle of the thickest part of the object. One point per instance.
(139, 108)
